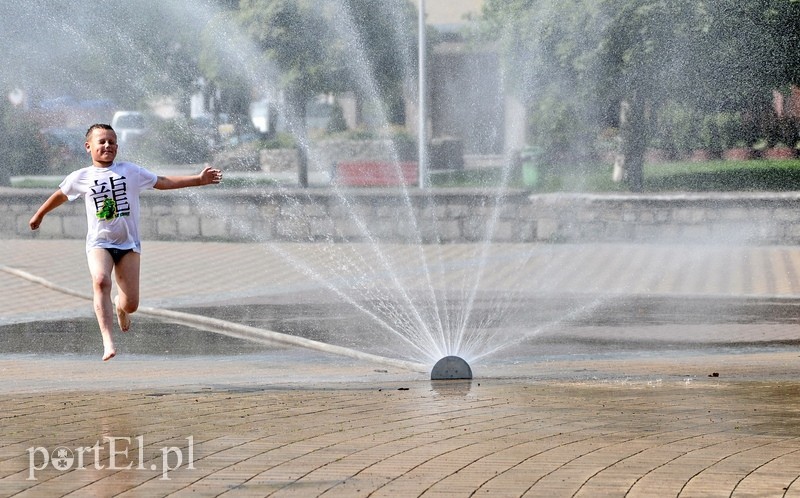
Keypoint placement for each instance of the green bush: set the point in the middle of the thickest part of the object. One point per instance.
(22, 147)
(279, 141)
(175, 141)
(785, 131)
(566, 139)
(336, 122)
(709, 134)
(676, 130)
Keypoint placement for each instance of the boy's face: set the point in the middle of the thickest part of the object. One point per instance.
(102, 146)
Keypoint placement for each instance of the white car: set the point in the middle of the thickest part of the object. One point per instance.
(129, 126)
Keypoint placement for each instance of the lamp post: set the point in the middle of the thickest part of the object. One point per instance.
(422, 139)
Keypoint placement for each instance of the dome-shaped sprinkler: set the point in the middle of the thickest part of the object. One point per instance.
(451, 367)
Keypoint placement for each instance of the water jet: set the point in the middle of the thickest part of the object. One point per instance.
(406, 272)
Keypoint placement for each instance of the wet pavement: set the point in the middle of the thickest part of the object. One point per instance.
(682, 379)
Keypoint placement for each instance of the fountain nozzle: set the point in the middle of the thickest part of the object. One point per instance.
(451, 367)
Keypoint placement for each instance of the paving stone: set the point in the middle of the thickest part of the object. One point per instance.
(641, 425)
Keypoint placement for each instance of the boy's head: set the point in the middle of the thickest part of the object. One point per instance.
(101, 144)
(97, 126)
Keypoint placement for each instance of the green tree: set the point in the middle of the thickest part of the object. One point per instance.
(619, 62)
(649, 55)
(294, 37)
(126, 51)
(375, 47)
(550, 52)
(331, 47)
(228, 69)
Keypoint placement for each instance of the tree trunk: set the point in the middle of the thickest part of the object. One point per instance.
(297, 104)
(302, 166)
(631, 144)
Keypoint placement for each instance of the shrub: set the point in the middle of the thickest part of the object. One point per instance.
(563, 134)
(732, 130)
(175, 141)
(279, 141)
(676, 129)
(336, 122)
(22, 146)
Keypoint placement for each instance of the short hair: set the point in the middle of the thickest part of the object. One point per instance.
(98, 126)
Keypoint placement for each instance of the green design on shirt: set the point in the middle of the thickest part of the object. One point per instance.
(108, 211)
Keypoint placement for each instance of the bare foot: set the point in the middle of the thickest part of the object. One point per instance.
(122, 317)
(109, 353)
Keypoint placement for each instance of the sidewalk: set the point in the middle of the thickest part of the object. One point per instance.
(291, 422)
(189, 273)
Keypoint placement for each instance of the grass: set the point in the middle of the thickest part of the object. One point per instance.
(718, 176)
(42, 182)
(756, 175)
(711, 176)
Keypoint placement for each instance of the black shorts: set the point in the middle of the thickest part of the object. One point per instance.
(117, 254)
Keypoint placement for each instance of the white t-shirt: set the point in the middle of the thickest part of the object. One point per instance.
(111, 196)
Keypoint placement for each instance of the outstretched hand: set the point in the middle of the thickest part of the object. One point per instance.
(210, 175)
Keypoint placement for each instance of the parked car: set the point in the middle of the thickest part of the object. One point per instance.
(129, 125)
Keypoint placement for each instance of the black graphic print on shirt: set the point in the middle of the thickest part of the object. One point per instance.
(111, 198)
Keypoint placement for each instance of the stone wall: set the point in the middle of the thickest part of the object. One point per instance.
(438, 215)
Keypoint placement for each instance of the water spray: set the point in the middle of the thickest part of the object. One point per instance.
(232, 329)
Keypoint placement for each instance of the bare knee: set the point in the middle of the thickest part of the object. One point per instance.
(131, 306)
(102, 284)
(127, 304)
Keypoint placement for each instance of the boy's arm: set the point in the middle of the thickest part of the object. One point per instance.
(58, 198)
(207, 176)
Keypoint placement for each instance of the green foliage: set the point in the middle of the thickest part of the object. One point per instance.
(754, 175)
(279, 141)
(128, 51)
(292, 35)
(785, 131)
(402, 135)
(336, 123)
(381, 37)
(675, 130)
(22, 147)
(225, 70)
(678, 61)
(545, 45)
(712, 176)
(235, 182)
(719, 176)
(550, 53)
(680, 128)
(174, 141)
(733, 131)
(710, 135)
(558, 128)
(744, 53)
(315, 48)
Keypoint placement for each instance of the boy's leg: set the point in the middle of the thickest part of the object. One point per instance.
(126, 272)
(100, 266)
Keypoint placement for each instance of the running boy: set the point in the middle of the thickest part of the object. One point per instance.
(111, 194)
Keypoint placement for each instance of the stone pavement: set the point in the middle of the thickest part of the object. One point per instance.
(186, 273)
(691, 421)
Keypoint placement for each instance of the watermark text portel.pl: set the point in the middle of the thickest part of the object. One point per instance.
(120, 457)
